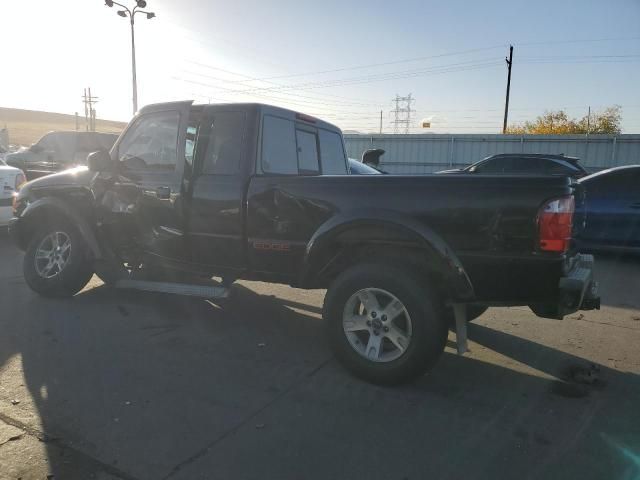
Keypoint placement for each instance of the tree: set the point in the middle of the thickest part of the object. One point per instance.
(559, 123)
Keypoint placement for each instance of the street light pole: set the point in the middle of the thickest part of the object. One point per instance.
(131, 13)
(133, 67)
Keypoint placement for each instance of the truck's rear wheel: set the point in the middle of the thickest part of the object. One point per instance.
(56, 262)
(384, 325)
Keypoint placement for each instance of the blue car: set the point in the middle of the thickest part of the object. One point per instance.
(611, 211)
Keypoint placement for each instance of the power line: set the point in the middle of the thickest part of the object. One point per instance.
(428, 57)
(316, 100)
(380, 64)
(584, 40)
(248, 78)
(458, 67)
(570, 57)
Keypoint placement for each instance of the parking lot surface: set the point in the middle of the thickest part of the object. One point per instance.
(127, 385)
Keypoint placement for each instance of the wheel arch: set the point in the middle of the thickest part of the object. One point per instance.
(46, 208)
(341, 241)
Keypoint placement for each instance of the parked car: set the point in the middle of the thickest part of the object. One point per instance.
(611, 210)
(10, 180)
(524, 164)
(359, 168)
(250, 191)
(58, 151)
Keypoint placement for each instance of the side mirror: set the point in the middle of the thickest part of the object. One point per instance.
(35, 148)
(372, 157)
(99, 161)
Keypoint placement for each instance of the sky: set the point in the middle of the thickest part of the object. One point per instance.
(342, 61)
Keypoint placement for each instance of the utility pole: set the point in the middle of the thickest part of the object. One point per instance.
(92, 112)
(506, 103)
(402, 115)
(589, 120)
(86, 110)
(89, 111)
(380, 122)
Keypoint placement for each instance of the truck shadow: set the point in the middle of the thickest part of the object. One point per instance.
(144, 385)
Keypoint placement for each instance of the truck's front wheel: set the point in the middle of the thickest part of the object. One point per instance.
(384, 325)
(56, 263)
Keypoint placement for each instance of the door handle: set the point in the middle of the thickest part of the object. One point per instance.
(163, 193)
(635, 205)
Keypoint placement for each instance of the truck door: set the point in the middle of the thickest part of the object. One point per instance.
(150, 157)
(216, 206)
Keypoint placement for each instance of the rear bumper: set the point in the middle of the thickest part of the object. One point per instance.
(577, 290)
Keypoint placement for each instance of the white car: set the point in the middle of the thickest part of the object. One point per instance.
(10, 180)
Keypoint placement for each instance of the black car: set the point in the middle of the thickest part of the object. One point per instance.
(525, 164)
(359, 168)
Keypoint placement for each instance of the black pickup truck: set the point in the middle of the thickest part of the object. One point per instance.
(250, 191)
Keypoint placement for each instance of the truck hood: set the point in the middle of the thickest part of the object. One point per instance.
(78, 176)
(15, 159)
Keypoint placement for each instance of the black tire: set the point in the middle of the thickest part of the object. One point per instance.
(429, 325)
(77, 270)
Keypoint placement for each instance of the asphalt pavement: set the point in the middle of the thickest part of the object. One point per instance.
(129, 385)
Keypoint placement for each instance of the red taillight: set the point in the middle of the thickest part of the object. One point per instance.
(555, 222)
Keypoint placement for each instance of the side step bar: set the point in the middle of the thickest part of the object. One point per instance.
(203, 291)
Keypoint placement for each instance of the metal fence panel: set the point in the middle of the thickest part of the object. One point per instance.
(421, 154)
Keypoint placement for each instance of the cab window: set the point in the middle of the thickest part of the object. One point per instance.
(332, 156)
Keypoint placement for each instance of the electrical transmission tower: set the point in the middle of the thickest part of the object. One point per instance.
(402, 113)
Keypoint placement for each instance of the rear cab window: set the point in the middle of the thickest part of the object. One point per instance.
(290, 148)
(332, 154)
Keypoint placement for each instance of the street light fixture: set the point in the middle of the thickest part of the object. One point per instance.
(131, 13)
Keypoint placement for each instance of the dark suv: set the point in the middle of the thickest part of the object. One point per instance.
(525, 164)
(57, 151)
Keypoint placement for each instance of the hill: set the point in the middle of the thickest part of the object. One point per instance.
(27, 126)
